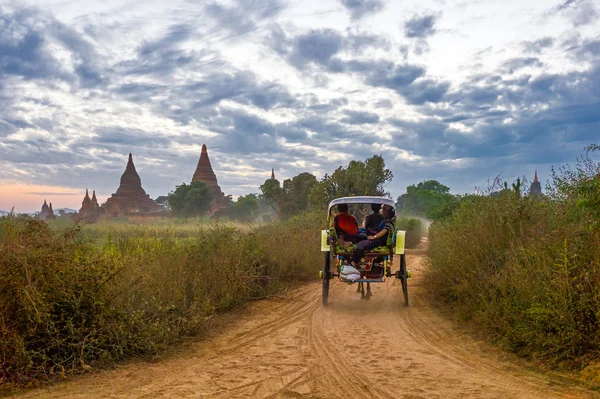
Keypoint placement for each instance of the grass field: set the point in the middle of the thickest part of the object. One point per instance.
(76, 295)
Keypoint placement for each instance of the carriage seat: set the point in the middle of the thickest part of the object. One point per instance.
(349, 250)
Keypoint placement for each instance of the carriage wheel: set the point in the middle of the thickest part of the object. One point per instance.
(404, 278)
(326, 277)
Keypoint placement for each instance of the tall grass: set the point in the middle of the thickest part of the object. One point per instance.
(69, 299)
(526, 270)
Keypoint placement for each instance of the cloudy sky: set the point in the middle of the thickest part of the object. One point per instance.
(454, 90)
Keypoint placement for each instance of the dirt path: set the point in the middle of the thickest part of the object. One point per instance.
(295, 348)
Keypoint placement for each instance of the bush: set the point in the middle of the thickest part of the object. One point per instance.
(414, 230)
(525, 269)
(68, 299)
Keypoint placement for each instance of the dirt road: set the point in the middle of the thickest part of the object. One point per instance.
(292, 347)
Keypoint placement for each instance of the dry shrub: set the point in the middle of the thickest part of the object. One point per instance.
(525, 270)
(414, 230)
(70, 299)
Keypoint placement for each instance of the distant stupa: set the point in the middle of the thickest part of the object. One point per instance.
(44, 211)
(536, 186)
(204, 173)
(272, 174)
(50, 214)
(130, 198)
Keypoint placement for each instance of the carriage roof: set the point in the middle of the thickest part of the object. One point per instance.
(361, 200)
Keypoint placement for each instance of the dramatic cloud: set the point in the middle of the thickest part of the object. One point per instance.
(581, 12)
(360, 8)
(537, 46)
(515, 64)
(359, 117)
(299, 88)
(420, 26)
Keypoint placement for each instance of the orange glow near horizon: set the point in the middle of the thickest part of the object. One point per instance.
(28, 198)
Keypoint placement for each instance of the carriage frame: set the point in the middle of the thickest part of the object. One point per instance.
(375, 266)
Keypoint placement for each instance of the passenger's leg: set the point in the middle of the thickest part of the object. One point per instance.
(361, 247)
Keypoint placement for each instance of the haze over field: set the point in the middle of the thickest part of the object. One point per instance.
(456, 92)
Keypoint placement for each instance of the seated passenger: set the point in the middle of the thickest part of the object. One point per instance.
(374, 222)
(375, 240)
(346, 226)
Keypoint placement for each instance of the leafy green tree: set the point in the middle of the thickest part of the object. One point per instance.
(296, 191)
(191, 200)
(429, 198)
(292, 198)
(245, 209)
(367, 177)
(272, 194)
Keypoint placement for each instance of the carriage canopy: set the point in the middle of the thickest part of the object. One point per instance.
(361, 200)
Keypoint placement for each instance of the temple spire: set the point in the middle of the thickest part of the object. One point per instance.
(272, 174)
(50, 210)
(536, 186)
(204, 171)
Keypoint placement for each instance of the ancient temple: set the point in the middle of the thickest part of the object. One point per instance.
(130, 198)
(44, 211)
(272, 174)
(204, 173)
(536, 186)
(95, 201)
(90, 209)
(47, 212)
(51, 214)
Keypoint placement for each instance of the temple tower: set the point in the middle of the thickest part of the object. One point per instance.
(50, 214)
(204, 173)
(130, 198)
(44, 212)
(272, 174)
(94, 201)
(536, 186)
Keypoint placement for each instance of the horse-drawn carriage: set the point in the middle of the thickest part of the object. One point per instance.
(375, 265)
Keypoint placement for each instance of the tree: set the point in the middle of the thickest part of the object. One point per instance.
(163, 201)
(272, 194)
(429, 198)
(292, 198)
(190, 200)
(367, 177)
(245, 209)
(296, 191)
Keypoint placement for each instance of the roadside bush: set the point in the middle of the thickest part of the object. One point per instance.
(68, 300)
(526, 270)
(414, 230)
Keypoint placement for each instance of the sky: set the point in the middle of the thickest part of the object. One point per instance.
(458, 91)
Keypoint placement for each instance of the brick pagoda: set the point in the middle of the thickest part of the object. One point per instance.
(204, 173)
(130, 198)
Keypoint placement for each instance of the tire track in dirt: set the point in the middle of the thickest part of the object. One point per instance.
(293, 347)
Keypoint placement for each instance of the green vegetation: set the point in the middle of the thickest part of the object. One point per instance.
(414, 230)
(75, 297)
(367, 177)
(292, 198)
(429, 199)
(526, 269)
(245, 209)
(190, 200)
